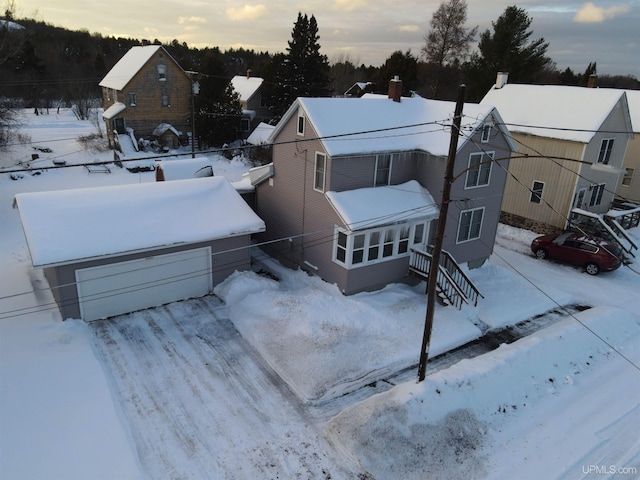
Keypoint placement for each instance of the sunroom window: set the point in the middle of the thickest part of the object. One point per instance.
(354, 249)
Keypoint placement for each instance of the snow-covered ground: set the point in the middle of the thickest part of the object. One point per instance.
(563, 402)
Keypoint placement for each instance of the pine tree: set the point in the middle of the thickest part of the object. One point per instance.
(507, 49)
(304, 71)
(218, 111)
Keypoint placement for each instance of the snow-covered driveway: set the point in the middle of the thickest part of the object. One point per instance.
(201, 404)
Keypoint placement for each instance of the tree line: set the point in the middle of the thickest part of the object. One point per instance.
(43, 66)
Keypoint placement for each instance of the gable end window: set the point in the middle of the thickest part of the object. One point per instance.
(479, 170)
(319, 172)
(162, 73)
(300, 126)
(605, 151)
(133, 101)
(536, 192)
(486, 133)
(165, 100)
(470, 224)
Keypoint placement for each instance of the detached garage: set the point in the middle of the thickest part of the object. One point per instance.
(113, 250)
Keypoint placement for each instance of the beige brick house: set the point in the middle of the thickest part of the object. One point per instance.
(144, 89)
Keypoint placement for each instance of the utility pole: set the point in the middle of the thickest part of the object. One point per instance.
(432, 280)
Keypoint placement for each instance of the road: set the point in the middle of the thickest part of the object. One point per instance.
(201, 404)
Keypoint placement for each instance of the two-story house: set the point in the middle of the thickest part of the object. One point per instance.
(144, 89)
(254, 108)
(355, 185)
(629, 185)
(572, 142)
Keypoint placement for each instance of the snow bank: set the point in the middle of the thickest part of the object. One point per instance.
(452, 424)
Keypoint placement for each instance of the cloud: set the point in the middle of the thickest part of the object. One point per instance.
(183, 20)
(590, 13)
(349, 5)
(408, 28)
(248, 12)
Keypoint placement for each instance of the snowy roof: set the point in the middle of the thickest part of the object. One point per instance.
(114, 110)
(130, 64)
(524, 107)
(633, 97)
(246, 86)
(185, 168)
(375, 206)
(375, 123)
(67, 226)
(260, 134)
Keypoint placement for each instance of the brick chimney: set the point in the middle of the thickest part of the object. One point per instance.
(501, 79)
(144, 42)
(593, 80)
(249, 72)
(395, 89)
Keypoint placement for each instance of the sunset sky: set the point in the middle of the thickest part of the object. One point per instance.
(363, 31)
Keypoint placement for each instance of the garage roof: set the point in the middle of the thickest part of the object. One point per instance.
(67, 226)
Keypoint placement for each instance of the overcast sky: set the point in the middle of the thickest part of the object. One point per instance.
(366, 31)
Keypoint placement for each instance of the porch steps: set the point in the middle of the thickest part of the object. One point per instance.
(604, 226)
(453, 286)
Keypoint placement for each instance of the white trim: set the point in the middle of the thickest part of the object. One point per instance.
(458, 241)
(533, 190)
(324, 172)
(304, 124)
(373, 252)
(375, 171)
(479, 169)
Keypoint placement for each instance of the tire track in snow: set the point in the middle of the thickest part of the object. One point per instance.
(201, 403)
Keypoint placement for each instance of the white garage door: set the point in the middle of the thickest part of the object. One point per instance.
(125, 287)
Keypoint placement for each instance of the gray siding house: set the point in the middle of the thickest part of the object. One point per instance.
(355, 185)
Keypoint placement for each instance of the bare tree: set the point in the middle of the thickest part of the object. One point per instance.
(448, 42)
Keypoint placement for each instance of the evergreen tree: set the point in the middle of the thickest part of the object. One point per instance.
(218, 111)
(304, 71)
(507, 49)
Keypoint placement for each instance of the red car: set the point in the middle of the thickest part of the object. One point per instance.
(575, 248)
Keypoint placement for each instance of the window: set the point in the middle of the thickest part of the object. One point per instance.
(162, 73)
(341, 247)
(628, 177)
(486, 132)
(536, 192)
(165, 100)
(132, 99)
(357, 253)
(596, 195)
(383, 170)
(605, 151)
(479, 170)
(389, 240)
(355, 249)
(470, 224)
(578, 199)
(320, 172)
(403, 240)
(374, 246)
(300, 130)
(246, 124)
